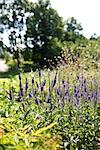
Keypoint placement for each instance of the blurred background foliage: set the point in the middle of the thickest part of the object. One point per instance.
(37, 35)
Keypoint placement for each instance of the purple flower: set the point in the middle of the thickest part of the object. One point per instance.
(20, 86)
(39, 73)
(37, 101)
(42, 88)
(74, 89)
(67, 96)
(43, 84)
(30, 95)
(75, 95)
(54, 81)
(19, 77)
(76, 98)
(81, 94)
(59, 92)
(78, 77)
(48, 99)
(66, 93)
(32, 80)
(77, 101)
(63, 81)
(20, 97)
(92, 95)
(26, 85)
(89, 97)
(37, 84)
(10, 95)
(96, 93)
(84, 81)
(82, 84)
(85, 89)
(34, 92)
(78, 91)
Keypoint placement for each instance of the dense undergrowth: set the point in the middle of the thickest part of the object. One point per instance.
(50, 110)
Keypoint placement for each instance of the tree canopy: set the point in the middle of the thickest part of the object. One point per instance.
(35, 30)
(43, 27)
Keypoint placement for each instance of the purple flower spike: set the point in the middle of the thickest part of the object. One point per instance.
(20, 97)
(42, 88)
(74, 89)
(75, 95)
(81, 94)
(48, 99)
(37, 84)
(89, 97)
(21, 88)
(39, 73)
(20, 85)
(77, 101)
(30, 95)
(34, 92)
(26, 85)
(59, 92)
(63, 81)
(37, 101)
(19, 77)
(85, 89)
(43, 84)
(92, 95)
(32, 80)
(84, 81)
(10, 95)
(78, 77)
(55, 80)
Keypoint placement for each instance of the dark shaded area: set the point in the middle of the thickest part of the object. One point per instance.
(13, 70)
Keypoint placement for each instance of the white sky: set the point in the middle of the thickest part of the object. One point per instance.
(87, 12)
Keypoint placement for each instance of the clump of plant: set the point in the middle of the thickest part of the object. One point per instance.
(69, 108)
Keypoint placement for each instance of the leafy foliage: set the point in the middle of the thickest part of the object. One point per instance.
(12, 20)
(46, 112)
(36, 32)
(43, 27)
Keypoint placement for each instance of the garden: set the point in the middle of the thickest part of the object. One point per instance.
(50, 94)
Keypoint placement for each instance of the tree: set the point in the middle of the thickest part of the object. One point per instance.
(44, 25)
(72, 30)
(2, 49)
(12, 20)
(94, 37)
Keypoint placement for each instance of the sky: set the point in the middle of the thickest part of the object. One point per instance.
(87, 12)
